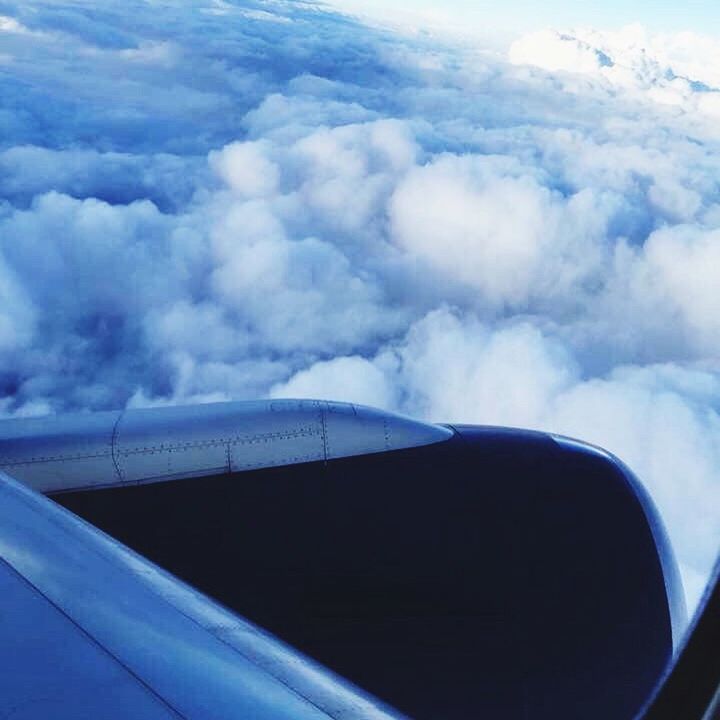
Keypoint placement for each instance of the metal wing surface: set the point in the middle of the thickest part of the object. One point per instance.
(92, 630)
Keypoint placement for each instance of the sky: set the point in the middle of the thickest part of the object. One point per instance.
(212, 200)
(503, 21)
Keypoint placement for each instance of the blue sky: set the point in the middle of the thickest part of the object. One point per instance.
(519, 16)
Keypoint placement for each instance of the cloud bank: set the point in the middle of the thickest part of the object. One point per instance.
(213, 200)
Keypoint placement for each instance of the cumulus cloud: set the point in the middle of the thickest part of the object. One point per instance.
(246, 169)
(495, 227)
(349, 379)
(17, 314)
(216, 200)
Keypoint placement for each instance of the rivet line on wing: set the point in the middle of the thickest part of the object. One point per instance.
(113, 445)
(323, 409)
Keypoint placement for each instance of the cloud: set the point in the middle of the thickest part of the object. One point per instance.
(348, 379)
(647, 68)
(552, 51)
(494, 226)
(245, 169)
(17, 314)
(678, 271)
(244, 199)
(27, 171)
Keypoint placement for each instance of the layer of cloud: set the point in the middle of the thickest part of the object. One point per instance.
(211, 200)
(660, 69)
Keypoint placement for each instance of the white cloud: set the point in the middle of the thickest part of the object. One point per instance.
(681, 264)
(11, 25)
(552, 51)
(17, 314)
(676, 71)
(246, 169)
(347, 379)
(493, 226)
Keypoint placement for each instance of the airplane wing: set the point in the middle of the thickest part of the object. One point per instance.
(92, 630)
(451, 571)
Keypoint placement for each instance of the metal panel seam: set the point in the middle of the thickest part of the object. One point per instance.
(323, 424)
(215, 442)
(52, 458)
(113, 444)
(148, 688)
(249, 658)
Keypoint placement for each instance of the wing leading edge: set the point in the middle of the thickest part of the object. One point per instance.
(91, 629)
(105, 449)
